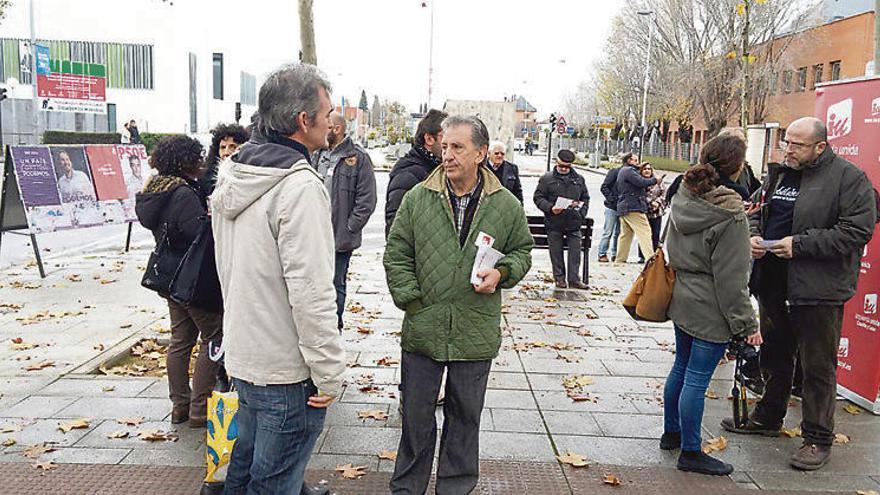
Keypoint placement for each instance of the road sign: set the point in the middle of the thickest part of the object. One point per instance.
(561, 125)
(569, 130)
(603, 122)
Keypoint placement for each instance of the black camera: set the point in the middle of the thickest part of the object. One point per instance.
(749, 364)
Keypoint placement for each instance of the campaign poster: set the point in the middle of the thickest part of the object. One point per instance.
(38, 189)
(851, 110)
(107, 172)
(133, 160)
(75, 185)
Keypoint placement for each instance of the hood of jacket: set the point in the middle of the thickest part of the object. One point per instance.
(692, 213)
(255, 169)
(153, 200)
(417, 162)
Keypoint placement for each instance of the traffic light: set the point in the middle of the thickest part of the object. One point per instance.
(237, 111)
(3, 94)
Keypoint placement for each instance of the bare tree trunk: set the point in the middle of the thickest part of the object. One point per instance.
(308, 54)
(746, 79)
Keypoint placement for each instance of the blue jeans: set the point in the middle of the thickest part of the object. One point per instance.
(684, 395)
(610, 232)
(277, 431)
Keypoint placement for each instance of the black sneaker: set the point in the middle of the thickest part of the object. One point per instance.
(698, 462)
(670, 441)
(750, 428)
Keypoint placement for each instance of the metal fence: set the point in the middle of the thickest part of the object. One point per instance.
(657, 149)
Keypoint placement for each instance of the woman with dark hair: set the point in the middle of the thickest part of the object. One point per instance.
(172, 205)
(225, 140)
(708, 246)
(656, 198)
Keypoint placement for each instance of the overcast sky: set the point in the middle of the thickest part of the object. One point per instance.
(483, 49)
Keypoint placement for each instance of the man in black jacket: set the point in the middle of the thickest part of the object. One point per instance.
(416, 165)
(506, 172)
(611, 228)
(564, 223)
(816, 214)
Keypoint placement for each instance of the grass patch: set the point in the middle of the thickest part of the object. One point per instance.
(667, 164)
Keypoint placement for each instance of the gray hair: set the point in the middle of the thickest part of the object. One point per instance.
(479, 132)
(498, 144)
(287, 92)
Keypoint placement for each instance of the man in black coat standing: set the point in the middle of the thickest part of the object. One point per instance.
(564, 221)
(416, 165)
(506, 172)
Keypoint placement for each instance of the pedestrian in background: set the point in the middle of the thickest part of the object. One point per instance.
(125, 135)
(506, 172)
(225, 140)
(816, 213)
(416, 165)
(656, 198)
(171, 204)
(135, 134)
(451, 323)
(563, 223)
(352, 200)
(611, 227)
(275, 249)
(632, 207)
(708, 245)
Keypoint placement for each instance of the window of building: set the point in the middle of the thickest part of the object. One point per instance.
(802, 79)
(772, 82)
(193, 108)
(835, 70)
(787, 81)
(248, 87)
(817, 74)
(127, 66)
(218, 76)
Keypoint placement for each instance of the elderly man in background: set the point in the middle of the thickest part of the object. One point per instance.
(506, 172)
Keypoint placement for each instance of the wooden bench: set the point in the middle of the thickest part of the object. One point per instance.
(539, 234)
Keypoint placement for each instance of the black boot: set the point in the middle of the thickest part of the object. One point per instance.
(670, 441)
(698, 462)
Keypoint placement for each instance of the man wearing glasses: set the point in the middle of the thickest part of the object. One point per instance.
(815, 213)
(506, 172)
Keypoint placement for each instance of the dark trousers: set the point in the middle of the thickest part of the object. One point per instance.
(277, 431)
(556, 240)
(188, 323)
(808, 333)
(459, 467)
(656, 226)
(340, 281)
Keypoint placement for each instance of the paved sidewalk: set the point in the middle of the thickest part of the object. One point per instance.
(529, 418)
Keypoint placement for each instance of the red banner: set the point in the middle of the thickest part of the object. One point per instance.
(107, 172)
(851, 110)
(72, 87)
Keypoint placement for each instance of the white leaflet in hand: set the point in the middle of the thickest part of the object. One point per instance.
(768, 244)
(485, 259)
(484, 239)
(563, 202)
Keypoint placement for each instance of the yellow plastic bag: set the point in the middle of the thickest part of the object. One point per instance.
(222, 432)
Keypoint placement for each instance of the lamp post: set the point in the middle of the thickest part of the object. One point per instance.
(651, 16)
(550, 139)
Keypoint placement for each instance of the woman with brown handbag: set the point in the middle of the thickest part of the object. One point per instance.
(708, 245)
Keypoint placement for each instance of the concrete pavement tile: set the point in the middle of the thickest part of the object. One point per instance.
(515, 446)
(37, 407)
(345, 414)
(381, 375)
(117, 407)
(188, 438)
(619, 451)
(75, 455)
(509, 362)
(557, 401)
(631, 343)
(94, 387)
(655, 356)
(571, 423)
(368, 359)
(774, 457)
(158, 390)
(816, 481)
(544, 365)
(7, 401)
(352, 394)
(165, 457)
(44, 430)
(630, 425)
(510, 399)
(647, 403)
(330, 461)
(360, 440)
(22, 386)
(517, 420)
(630, 368)
(601, 383)
(504, 380)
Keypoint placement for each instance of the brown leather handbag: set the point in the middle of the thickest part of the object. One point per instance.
(649, 297)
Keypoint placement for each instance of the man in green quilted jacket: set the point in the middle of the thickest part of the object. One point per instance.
(450, 322)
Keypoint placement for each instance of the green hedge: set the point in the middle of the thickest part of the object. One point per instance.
(149, 139)
(64, 137)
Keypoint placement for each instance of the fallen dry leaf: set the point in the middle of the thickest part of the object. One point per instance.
(125, 325)
(866, 492)
(841, 439)
(387, 361)
(390, 455)
(577, 381)
(610, 479)
(376, 414)
(39, 366)
(10, 428)
(98, 347)
(157, 435)
(108, 388)
(10, 307)
(351, 472)
(710, 394)
(45, 465)
(364, 330)
(118, 434)
(572, 459)
(74, 277)
(9, 442)
(566, 323)
(715, 445)
(35, 451)
(790, 433)
(76, 424)
(131, 421)
(852, 409)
